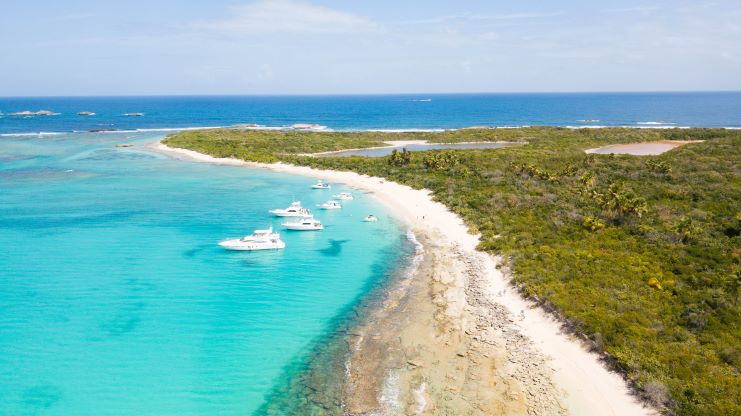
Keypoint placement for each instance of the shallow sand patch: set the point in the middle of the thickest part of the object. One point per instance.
(641, 149)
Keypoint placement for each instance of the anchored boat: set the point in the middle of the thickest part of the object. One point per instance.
(304, 224)
(330, 205)
(320, 185)
(295, 210)
(345, 196)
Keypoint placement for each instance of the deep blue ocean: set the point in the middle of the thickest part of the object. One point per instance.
(420, 111)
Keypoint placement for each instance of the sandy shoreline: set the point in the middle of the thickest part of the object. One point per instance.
(474, 345)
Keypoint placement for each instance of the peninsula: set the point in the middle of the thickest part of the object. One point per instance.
(551, 280)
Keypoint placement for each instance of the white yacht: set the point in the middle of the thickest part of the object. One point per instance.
(304, 224)
(370, 218)
(295, 210)
(330, 205)
(345, 196)
(259, 240)
(320, 185)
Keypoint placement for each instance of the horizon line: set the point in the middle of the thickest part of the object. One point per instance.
(371, 94)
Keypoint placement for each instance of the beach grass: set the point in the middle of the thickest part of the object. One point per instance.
(639, 255)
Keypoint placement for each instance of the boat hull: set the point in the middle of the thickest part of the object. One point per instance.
(236, 245)
(302, 227)
(284, 214)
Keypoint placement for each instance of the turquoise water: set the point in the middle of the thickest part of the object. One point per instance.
(116, 300)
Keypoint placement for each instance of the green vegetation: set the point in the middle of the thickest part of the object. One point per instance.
(641, 255)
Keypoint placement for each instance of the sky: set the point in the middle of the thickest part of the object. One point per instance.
(163, 47)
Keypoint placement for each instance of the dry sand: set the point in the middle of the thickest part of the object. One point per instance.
(457, 338)
(640, 149)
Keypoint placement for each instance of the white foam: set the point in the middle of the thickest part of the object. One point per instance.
(654, 126)
(28, 113)
(389, 396)
(419, 397)
(155, 130)
(37, 134)
(404, 130)
(654, 123)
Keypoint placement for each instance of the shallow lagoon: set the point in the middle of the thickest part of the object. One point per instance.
(117, 301)
(385, 151)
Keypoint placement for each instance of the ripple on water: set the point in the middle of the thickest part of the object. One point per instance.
(41, 397)
(42, 174)
(15, 158)
(27, 222)
(105, 154)
(125, 321)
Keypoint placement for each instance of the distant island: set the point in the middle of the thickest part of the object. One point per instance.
(637, 255)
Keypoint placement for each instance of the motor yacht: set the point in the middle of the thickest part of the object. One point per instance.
(370, 218)
(330, 205)
(320, 185)
(345, 196)
(295, 210)
(259, 240)
(304, 224)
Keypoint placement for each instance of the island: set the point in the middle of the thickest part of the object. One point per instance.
(544, 269)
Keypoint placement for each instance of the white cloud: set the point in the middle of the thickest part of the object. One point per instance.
(290, 16)
(489, 36)
(468, 17)
(636, 9)
(266, 72)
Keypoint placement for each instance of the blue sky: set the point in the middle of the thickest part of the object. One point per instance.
(79, 47)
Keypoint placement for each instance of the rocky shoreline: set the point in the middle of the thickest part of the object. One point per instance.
(440, 345)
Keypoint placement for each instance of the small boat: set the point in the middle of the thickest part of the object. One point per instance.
(134, 114)
(345, 196)
(370, 218)
(304, 224)
(295, 210)
(320, 185)
(259, 240)
(85, 113)
(330, 205)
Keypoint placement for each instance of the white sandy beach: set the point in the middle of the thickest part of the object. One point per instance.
(584, 384)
